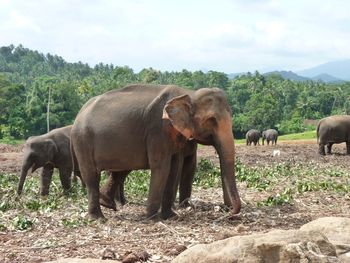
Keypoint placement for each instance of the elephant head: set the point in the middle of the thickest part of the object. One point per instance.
(38, 152)
(205, 116)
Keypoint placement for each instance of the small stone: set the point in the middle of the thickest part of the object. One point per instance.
(144, 256)
(130, 258)
(107, 253)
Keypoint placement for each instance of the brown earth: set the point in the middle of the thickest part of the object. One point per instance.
(206, 221)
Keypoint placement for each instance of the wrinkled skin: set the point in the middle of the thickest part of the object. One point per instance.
(252, 136)
(49, 151)
(270, 135)
(114, 187)
(148, 127)
(331, 130)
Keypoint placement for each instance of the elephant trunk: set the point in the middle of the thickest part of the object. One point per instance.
(224, 145)
(25, 167)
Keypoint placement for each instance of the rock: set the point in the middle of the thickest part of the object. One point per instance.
(82, 260)
(276, 246)
(337, 230)
(108, 253)
(130, 258)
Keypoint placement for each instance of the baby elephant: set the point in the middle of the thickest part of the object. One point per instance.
(270, 135)
(252, 136)
(49, 151)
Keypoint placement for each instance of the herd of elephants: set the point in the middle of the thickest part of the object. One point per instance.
(151, 127)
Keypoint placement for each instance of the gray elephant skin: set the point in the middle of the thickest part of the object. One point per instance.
(252, 136)
(331, 130)
(270, 135)
(114, 187)
(51, 150)
(148, 127)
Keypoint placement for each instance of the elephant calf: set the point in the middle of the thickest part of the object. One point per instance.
(252, 136)
(270, 135)
(51, 150)
(333, 129)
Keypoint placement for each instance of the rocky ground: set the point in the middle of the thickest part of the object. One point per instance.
(205, 221)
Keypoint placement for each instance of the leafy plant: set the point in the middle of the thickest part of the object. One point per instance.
(283, 198)
(207, 174)
(22, 223)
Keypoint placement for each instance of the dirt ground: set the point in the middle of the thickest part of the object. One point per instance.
(205, 221)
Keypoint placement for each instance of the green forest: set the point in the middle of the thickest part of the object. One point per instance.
(30, 79)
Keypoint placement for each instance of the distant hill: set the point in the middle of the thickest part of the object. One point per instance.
(339, 69)
(287, 75)
(326, 78)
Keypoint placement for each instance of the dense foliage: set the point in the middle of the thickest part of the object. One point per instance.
(28, 77)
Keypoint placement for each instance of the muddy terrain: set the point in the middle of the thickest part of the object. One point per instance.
(205, 221)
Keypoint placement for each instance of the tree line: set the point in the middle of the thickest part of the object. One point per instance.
(257, 101)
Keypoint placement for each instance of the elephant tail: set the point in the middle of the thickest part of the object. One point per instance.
(318, 131)
(74, 158)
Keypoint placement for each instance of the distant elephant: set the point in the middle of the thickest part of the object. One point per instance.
(114, 187)
(148, 127)
(51, 150)
(333, 129)
(252, 136)
(270, 135)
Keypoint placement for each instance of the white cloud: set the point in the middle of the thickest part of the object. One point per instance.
(224, 35)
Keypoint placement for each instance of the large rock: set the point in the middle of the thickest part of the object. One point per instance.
(275, 246)
(337, 230)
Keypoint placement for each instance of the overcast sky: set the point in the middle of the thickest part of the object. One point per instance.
(223, 35)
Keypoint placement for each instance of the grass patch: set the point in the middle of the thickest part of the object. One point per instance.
(298, 136)
(11, 141)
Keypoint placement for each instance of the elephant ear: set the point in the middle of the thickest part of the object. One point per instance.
(179, 111)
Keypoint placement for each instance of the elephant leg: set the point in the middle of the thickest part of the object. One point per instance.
(114, 187)
(159, 175)
(329, 148)
(119, 194)
(347, 147)
(65, 177)
(92, 181)
(171, 186)
(46, 177)
(254, 143)
(268, 142)
(186, 180)
(321, 149)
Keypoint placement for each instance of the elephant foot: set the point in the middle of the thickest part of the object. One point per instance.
(169, 214)
(185, 203)
(44, 193)
(97, 215)
(107, 202)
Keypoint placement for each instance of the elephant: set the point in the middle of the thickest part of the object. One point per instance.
(148, 127)
(114, 187)
(270, 135)
(50, 150)
(333, 129)
(252, 136)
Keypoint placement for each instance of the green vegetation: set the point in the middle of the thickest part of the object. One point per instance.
(299, 136)
(278, 185)
(257, 101)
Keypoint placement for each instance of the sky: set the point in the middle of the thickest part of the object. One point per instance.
(230, 36)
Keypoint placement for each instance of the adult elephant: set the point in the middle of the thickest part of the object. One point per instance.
(148, 127)
(51, 150)
(252, 136)
(270, 135)
(333, 129)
